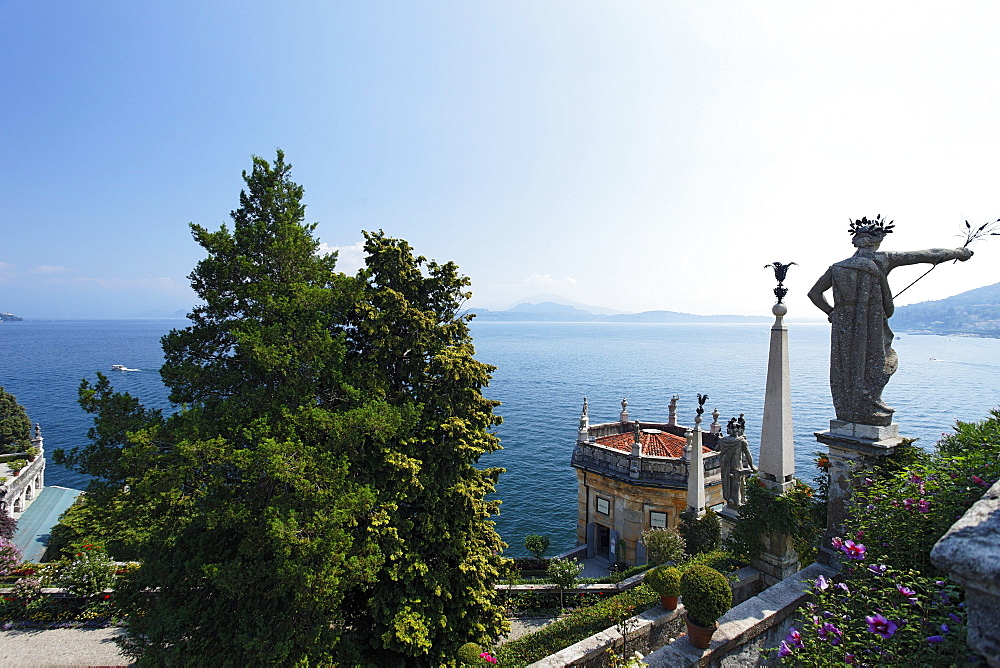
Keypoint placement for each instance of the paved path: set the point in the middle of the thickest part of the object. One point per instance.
(35, 523)
(60, 647)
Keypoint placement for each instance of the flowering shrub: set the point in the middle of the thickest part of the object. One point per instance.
(890, 605)
(564, 572)
(876, 615)
(89, 573)
(10, 556)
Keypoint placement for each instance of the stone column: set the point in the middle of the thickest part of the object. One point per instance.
(853, 448)
(696, 470)
(777, 443)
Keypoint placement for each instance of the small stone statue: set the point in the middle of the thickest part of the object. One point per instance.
(624, 405)
(38, 430)
(636, 431)
(861, 356)
(736, 464)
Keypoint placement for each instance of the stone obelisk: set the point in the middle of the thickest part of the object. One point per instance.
(777, 446)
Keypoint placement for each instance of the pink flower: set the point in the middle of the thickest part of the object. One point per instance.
(794, 637)
(831, 633)
(822, 583)
(784, 649)
(853, 550)
(979, 481)
(880, 625)
(489, 658)
(836, 542)
(908, 593)
(924, 506)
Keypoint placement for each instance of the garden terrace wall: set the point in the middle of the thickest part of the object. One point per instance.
(650, 630)
(747, 629)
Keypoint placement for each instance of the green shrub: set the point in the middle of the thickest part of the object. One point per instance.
(721, 560)
(573, 628)
(536, 544)
(468, 654)
(664, 580)
(700, 534)
(706, 594)
(663, 545)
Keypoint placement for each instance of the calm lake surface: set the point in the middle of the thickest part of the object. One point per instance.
(543, 372)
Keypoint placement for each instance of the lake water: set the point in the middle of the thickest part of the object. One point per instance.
(544, 371)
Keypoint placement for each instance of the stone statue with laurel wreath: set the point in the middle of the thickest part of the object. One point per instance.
(861, 356)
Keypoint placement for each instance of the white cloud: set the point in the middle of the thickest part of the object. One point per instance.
(48, 269)
(349, 258)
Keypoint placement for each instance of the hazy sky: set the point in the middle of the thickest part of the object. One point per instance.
(633, 155)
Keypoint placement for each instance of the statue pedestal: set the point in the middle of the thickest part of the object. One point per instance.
(778, 560)
(853, 449)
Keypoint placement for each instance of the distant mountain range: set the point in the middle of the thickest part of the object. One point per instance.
(976, 313)
(552, 312)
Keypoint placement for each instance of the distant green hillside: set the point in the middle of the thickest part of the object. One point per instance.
(552, 312)
(976, 312)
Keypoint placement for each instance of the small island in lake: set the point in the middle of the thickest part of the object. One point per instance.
(4, 317)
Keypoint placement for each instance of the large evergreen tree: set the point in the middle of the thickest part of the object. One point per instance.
(15, 427)
(315, 500)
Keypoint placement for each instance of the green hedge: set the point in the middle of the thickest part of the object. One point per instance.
(573, 628)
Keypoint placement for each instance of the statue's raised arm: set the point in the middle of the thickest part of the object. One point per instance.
(861, 356)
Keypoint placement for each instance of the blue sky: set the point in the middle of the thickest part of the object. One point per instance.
(633, 155)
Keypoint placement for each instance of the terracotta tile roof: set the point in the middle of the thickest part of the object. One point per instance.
(661, 444)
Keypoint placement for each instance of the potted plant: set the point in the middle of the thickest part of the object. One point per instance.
(665, 581)
(32, 452)
(707, 596)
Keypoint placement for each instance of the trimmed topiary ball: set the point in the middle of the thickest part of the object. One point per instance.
(468, 654)
(706, 594)
(664, 580)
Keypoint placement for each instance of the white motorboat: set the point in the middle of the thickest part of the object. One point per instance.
(121, 367)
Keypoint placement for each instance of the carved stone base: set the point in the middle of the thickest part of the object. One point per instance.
(778, 561)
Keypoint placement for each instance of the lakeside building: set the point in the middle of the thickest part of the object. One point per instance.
(19, 486)
(632, 476)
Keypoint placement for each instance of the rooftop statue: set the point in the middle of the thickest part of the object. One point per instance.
(736, 463)
(861, 356)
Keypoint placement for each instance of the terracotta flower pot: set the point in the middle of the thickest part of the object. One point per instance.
(669, 602)
(699, 636)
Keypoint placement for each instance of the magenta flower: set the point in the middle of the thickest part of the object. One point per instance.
(794, 637)
(830, 633)
(908, 593)
(836, 542)
(853, 550)
(843, 587)
(935, 639)
(488, 657)
(979, 481)
(784, 649)
(924, 506)
(822, 583)
(909, 503)
(880, 625)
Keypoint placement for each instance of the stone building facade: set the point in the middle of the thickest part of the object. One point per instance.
(632, 476)
(19, 489)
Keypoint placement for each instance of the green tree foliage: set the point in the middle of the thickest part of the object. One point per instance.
(316, 498)
(536, 544)
(663, 545)
(15, 428)
(701, 534)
